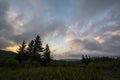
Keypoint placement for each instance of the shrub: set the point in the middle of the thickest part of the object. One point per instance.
(11, 63)
(30, 64)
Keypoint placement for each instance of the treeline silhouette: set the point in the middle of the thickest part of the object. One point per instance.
(87, 59)
(34, 51)
(34, 54)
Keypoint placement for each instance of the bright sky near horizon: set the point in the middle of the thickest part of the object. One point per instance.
(71, 27)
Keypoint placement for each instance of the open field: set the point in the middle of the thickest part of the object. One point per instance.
(59, 73)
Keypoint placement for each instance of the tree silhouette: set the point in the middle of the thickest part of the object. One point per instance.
(34, 52)
(21, 52)
(37, 47)
(30, 48)
(47, 53)
(83, 59)
(86, 59)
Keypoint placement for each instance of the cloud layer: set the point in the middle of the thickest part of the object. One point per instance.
(70, 27)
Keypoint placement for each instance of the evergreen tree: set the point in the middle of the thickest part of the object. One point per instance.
(47, 52)
(89, 59)
(86, 60)
(83, 59)
(21, 52)
(30, 48)
(33, 51)
(37, 47)
(46, 55)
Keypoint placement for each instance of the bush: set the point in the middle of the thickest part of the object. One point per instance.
(11, 63)
(30, 64)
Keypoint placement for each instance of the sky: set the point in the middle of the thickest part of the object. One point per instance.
(71, 27)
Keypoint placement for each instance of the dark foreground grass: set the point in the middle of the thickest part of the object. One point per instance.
(58, 73)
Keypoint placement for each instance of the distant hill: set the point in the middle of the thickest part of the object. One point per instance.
(4, 53)
(70, 60)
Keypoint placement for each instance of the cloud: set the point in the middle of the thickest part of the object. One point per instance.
(82, 26)
(5, 28)
(110, 45)
(18, 26)
(86, 9)
(42, 27)
(93, 22)
(10, 25)
(3, 9)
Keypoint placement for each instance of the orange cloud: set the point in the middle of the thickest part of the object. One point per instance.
(77, 47)
(114, 33)
(99, 39)
(12, 48)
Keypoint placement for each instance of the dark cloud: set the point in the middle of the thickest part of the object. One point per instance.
(42, 27)
(110, 45)
(39, 25)
(4, 42)
(95, 18)
(56, 17)
(5, 28)
(89, 8)
(3, 9)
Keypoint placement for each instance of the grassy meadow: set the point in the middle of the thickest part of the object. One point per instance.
(99, 68)
(91, 72)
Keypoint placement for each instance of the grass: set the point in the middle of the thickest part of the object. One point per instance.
(58, 73)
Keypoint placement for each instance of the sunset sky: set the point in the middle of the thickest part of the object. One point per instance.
(71, 27)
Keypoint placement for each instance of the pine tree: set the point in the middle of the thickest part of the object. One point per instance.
(37, 47)
(33, 51)
(30, 48)
(83, 59)
(47, 56)
(47, 52)
(21, 52)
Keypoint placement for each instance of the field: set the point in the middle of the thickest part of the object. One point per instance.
(94, 68)
(59, 73)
